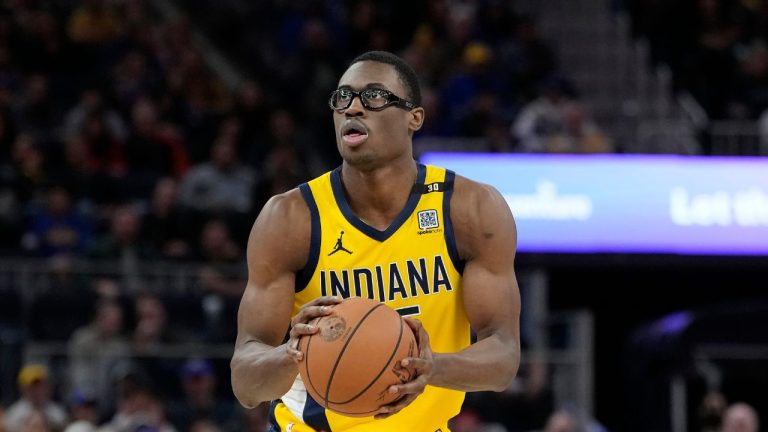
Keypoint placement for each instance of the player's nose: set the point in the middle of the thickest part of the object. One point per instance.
(356, 108)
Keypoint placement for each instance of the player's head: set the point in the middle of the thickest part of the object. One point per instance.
(376, 110)
(405, 72)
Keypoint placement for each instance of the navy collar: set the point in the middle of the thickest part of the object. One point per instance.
(351, 217)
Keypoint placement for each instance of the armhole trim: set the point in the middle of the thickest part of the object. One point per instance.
(450, 238)
(305, 274)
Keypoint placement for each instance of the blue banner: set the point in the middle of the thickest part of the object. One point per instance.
(691, 205)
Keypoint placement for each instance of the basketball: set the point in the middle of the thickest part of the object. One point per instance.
(355, 356)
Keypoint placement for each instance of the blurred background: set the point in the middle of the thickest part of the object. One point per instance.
(139, 140)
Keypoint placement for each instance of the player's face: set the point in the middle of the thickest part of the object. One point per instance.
(367, 138)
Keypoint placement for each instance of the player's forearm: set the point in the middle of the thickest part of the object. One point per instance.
(490, 364)
(261, 373)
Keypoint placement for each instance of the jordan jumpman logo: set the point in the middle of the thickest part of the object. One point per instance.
(339, 247)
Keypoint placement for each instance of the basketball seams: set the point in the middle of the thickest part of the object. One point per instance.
(383, 369)
(341, 354)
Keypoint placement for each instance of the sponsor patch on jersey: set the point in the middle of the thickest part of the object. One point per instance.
(428, 219)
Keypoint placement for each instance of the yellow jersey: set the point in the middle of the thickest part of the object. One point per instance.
(412, 266)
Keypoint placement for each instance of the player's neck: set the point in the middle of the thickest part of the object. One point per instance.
(377, 196)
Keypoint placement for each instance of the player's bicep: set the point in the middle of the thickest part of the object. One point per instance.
(264, 314)
(491, 294)
(491, 300)
(277, 248)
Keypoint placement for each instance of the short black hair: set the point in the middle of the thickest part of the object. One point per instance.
(405, 72)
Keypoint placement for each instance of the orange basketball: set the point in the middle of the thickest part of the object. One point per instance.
(352, 360)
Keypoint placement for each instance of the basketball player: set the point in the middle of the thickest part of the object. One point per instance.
(435, 246)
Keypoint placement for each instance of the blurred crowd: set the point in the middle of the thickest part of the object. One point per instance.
(717, 49)
(119, 139)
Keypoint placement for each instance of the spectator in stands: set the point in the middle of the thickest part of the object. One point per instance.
(35, 110)
(31, 174)
(284, 132)
(579, 134)
(740, 417)
(201, 401)
(134, 78)
(472, 95)
(221, 185)
(138, 409)
(152, 333)
(59, 228)
(105, 146)
(563, 421)
(710, 411)
(94, 22)
(284, 169)
(165, 226)
(543, 122)
(84, 407)
(80, 426)
(92, 103)
(83, 174)
(751, 82)
(523, 407)
(204, 425)
(64, 305)
(709, 65)
(124, 245)
(154, 149)
(527, 57)
(36, 397)
(152, 329)
(36, 422)
(95, 349)
(251, 109)
(428, 56)
(220, 279)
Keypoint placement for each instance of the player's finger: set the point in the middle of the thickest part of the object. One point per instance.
(420, 365)
(415, 387)
(395, 407)
(418, 330)
(293, 352)
(301, 329)
(308, 313)
(325, 300)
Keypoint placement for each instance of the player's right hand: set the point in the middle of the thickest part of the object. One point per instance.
(301, 326)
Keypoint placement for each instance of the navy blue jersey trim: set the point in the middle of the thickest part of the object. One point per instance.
(273, 426)
(314, 415)
(305, 274)
(450, 239)
(351, 217)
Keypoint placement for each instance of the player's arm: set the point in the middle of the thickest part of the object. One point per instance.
(486, 238)
(262, 367)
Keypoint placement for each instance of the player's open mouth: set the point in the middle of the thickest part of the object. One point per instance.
(354, 132)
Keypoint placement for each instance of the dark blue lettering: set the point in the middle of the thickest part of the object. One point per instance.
(418, 276)
(441, 276)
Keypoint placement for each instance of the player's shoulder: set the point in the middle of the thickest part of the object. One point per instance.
(285, 202)
(285, 206)
(479, 212)
(470, 194)
(282, 229)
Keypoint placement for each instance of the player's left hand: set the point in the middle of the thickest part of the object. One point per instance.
(421, 371)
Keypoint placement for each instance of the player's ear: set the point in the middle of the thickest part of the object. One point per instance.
(416, 118)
